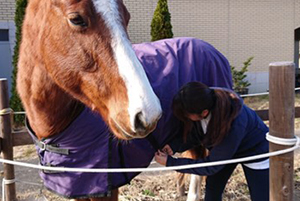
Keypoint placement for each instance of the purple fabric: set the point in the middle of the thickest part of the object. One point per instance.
(169, 64)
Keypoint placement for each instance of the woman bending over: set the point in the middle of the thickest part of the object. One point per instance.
(218, 120)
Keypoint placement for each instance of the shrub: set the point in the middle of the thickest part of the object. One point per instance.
(15, 102)
(161, 27)
(240, 85)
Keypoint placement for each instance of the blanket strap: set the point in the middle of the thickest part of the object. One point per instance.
(42, 145)
(50, 147)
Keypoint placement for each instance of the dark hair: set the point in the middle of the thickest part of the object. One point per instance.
(194, 97)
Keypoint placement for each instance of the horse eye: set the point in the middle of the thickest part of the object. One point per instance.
(77, 20)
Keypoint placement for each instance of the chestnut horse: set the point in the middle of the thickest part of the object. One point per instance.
(81, 47)
(194, 189)
(76, 62)
(78, 51)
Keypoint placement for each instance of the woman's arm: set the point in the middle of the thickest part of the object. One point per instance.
(194, 138)
(223, 151)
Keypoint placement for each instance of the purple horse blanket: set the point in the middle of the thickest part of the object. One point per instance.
(88, 143)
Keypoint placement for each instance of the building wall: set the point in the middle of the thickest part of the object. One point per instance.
(297, 13)
(7, 12)
(238, 28)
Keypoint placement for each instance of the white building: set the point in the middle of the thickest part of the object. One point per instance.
(7, 38)
(264, 29)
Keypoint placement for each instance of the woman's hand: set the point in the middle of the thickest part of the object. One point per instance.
(161, 158)
(167, 150)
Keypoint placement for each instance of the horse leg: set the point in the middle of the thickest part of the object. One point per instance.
(114, 197)
(194, 193)
(180, 184)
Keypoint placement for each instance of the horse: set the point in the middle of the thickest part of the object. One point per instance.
(94, 100)
(80, 41)
(195, 182)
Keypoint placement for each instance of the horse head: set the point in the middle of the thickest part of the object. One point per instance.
(85, 49)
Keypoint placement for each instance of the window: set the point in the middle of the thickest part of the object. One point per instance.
(4, 35)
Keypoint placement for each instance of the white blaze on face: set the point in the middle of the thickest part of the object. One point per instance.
(140, 94)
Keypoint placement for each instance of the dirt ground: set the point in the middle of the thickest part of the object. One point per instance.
(147, 186)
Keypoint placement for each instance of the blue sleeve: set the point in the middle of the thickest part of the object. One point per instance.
(179, 145)
(223, 151)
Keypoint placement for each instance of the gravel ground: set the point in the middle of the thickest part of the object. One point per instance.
(145, 187)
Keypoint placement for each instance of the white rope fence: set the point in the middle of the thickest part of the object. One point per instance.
(282, 141)
(294, 142)
(6, 111)
(262, 94)
(6, 182)
(9, 111)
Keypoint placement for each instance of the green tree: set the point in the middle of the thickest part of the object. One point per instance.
(161, 27)
(240, 84)
(15, 102)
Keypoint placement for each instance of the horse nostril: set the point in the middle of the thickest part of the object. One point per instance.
(139, 122)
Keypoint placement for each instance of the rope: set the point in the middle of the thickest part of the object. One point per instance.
(20, 113)
(257, 94)
(30, 183)
(120, 170)
(281, 141)
(261, 94)
(6, 111)
(6, 182)
(243, 95)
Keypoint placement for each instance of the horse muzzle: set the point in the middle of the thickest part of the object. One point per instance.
(141, 131)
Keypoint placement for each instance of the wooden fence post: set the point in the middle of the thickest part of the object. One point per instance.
(7, 146)
(281, 116)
